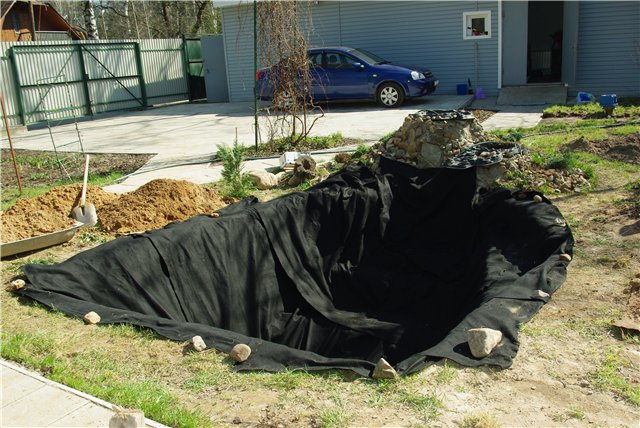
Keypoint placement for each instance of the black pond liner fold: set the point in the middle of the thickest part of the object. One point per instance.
(396, 264)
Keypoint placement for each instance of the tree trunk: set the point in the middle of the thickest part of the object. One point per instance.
(196, 26)
(90, 21)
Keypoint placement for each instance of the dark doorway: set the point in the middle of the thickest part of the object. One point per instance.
(194, 67)
(544, 42)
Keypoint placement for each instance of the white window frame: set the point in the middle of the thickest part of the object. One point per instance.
(467, 17)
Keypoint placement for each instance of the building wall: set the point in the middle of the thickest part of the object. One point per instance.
(608, 56)
(419, 33)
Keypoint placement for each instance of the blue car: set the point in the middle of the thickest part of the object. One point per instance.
(346, 73)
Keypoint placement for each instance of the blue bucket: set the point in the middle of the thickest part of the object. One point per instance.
(462, 89)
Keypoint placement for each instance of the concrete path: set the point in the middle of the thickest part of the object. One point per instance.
(196, 129)
(30, 400)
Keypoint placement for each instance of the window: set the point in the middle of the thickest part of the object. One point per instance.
(315, 59)
(338, 61)
(476, 25)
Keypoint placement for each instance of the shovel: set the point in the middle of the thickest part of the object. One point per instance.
(85, 212)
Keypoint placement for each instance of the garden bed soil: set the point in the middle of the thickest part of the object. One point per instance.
(621, 148)
(41, 167)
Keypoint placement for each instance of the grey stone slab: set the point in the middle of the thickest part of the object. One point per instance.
(16, 385)
(502, 120)
(533, 94)
(89, 415)
(41, 408)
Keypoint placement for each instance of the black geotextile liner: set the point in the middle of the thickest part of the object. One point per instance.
(398, 265)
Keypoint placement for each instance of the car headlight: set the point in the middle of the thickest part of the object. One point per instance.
(416, 75)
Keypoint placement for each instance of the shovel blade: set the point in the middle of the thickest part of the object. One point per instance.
(86, 214)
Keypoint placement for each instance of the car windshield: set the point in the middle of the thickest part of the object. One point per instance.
(369, 57)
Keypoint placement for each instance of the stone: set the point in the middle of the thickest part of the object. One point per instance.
(303, 169)
(214, 215)
(537, 198)
(198, 344)
(127, 418)
(634, 285)
(383, 370)
(432, 155)
(483, 340)
(539, 294)
(17, 284)
(237, 420)
(343, 157)
(263, 180)
(240, 352)
(92, 318)
(565, 257)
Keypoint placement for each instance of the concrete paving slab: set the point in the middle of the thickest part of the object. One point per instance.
(548, 94)
(502, 120)
(40, 408)
(89, 415)
(30, 400)
(16, 386)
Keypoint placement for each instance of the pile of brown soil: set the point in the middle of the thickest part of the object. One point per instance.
(621, 148)
(49, 212)
(631, 316)
(157, 203)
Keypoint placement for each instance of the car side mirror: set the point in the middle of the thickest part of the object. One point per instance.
(358, 65)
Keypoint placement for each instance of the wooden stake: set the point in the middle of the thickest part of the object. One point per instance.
(13, 155)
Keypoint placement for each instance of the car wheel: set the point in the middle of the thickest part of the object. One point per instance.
(390, 95)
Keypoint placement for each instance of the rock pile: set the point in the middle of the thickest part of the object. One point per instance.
(558, 180)
(429, 137)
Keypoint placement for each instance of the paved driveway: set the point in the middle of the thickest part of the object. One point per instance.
(185, 136)
(196, 129)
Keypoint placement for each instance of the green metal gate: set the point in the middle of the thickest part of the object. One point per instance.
(59, 81)
(194, 67)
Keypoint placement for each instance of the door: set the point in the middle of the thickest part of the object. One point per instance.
(514, 43)
(345, 80)
(194, 67)
(215, 69)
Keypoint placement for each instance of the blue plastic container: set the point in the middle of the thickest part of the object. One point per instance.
(585, 98)
(608, 100)
(462, 89)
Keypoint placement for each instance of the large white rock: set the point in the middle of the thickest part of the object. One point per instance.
(127, 418)
(263, 180)
(383, 370)
(198, 343)
(92, 318)
(17, 284)
(483, 340)
(240, 352)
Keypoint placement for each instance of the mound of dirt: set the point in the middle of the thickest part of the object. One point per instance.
(621, 148)
(49, 212)
(157, 203)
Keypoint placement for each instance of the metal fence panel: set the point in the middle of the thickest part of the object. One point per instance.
(164, 73)
(112, 81)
